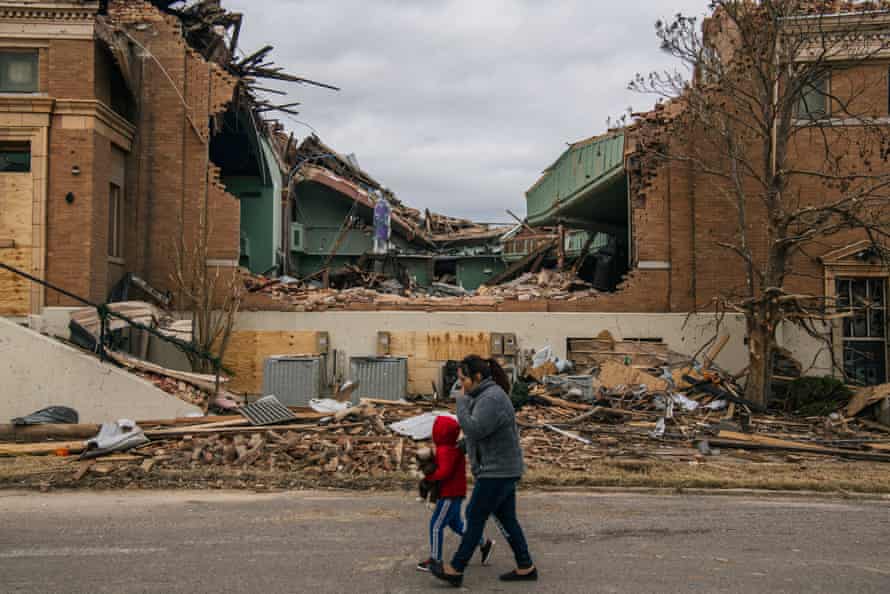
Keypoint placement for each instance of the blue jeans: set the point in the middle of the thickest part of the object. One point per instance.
(492, 497)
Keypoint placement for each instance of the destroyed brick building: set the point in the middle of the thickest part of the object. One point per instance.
(332, 225)
(131, 128)
(107, 119)
(674, 227)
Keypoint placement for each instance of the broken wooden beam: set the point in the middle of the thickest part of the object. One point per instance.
(45, 432)
(41, 449)
(730, 439)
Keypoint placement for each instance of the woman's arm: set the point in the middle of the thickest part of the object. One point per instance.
(480, 422)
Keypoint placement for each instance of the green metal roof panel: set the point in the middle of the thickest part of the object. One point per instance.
(577, 171)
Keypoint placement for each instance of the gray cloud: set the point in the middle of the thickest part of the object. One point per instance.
(458, 105)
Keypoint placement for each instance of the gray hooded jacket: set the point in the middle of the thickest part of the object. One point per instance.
(488, 421)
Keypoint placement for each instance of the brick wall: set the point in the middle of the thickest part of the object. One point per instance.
(71, 69)
(70, 241)
(169, 181)
(682, 215)
(170, 175)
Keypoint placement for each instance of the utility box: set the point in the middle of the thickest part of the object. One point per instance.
(384, 340)
(510, 344)
(323, 343)
(293, 379)
(384, 378)
(497, 344)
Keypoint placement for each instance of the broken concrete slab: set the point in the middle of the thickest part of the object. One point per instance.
(37, 371)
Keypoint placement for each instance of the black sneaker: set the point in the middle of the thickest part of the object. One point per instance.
(437, 570)
(520, 577)
(486, 550)
(424, 565)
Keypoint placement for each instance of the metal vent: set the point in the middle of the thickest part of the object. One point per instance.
(294, 380)
(385, 378)
(268, 410)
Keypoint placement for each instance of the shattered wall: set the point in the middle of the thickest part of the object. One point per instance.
(125, 81)
(171, 177)
(682, 215)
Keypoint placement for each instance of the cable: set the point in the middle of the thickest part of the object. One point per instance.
(169, 78)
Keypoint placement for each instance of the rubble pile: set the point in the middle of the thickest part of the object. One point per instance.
(356, 444)
(625, 414)
(546, 284)
(373, 290)
(687, 412)
(180, 389)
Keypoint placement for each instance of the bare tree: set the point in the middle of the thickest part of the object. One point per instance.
(211, 295)
(785, 113)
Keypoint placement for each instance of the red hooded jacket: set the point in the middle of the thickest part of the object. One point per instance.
(451, 464)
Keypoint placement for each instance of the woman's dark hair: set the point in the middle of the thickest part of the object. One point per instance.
(486, 368)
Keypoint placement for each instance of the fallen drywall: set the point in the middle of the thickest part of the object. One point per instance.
(37, 371)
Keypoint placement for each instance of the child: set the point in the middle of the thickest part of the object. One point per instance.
(451, 474)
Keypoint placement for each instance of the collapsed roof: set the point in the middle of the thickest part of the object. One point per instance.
(318, 162)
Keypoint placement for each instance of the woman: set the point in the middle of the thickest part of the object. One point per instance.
(488, 420)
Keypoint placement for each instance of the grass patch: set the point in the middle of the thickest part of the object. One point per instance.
(720, 472)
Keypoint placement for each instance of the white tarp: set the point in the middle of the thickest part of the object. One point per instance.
(419, 427)
(327, 405)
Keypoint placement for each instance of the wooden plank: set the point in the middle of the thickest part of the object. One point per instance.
(183, 431)
(553, 401)
(240, 358)
(715, 351)
(32, 433)
(40, 449)
(613, 373)
(249, 349)
(874, 425)
(16, 227)
(427, 351)
(199, 380)
(865, 397)
(15, 291)
(744, 440)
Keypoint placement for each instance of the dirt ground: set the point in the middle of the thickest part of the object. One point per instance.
(718, 472)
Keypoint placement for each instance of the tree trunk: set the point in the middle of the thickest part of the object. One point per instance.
(761, 343)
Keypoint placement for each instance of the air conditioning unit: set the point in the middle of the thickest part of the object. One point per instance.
(385, 378)
(294, 380)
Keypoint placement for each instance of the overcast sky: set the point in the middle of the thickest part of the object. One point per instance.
(458, 105)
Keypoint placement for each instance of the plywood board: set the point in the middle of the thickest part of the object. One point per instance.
(248, 350)
(15, 297)
(593, 351)
(613, 373)
(428, 351)
(16, 203)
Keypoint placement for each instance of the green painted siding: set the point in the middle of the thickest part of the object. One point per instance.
(257, 220)
(418, 269)
(473, 272)
(320, 212)
(260, 215)
(577, 171)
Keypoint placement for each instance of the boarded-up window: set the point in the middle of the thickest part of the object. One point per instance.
(18, 72)
(15, 157)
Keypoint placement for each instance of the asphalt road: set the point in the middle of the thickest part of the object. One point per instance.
(196, 542)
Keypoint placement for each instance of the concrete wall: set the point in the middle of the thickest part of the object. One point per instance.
(37, 371)
(355, 333)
